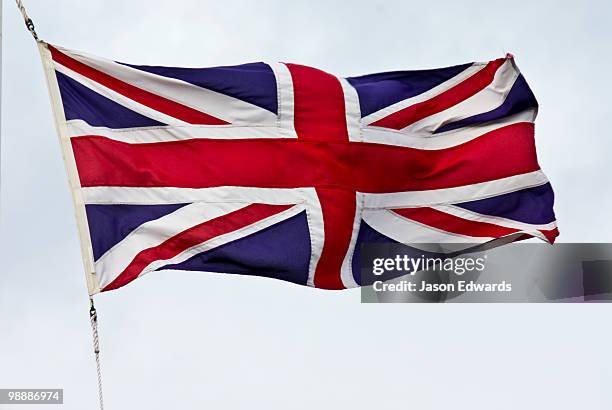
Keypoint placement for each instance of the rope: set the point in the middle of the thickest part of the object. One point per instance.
(93, 317)
(93, 314)
(28, 21)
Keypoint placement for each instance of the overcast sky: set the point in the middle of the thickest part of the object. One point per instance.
(188, 340)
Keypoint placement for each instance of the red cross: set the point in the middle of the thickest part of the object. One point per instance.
(322, 157)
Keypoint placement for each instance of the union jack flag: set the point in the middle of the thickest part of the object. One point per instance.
(283, 170)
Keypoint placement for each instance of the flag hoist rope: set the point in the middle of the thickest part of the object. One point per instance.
(28, 21)
(93, 317)
(93, 314)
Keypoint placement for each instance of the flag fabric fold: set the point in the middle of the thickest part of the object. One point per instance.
(283, 170)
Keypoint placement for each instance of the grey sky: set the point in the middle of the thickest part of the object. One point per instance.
(190, 340)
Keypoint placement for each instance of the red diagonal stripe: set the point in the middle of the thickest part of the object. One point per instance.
(194, 236)
(551, 234)
(443, 101)
(287, 163)
(168, 107)
(454, 224)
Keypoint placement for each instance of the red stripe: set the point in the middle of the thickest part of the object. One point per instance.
(551, 234)
(194, 236)
(287, 163)
(319, 115)
(139, 95)
(443, 101)
(319, 112)
(338, 207)
(454, 224)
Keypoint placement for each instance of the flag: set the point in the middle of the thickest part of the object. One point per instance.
(284, 170)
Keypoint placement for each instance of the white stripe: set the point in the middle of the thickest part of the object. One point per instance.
(457, 194)
(171, 195)
(138, 135)
(452, 138)
(495, 220)
(375, 135)
(439, 89)
(223, 239)
(485, 100)
(353, 110)
(285, 97)
(118, 98)
(314, 212)
(346, 271)
(155, 232)
(219, 105)
(407, 231)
